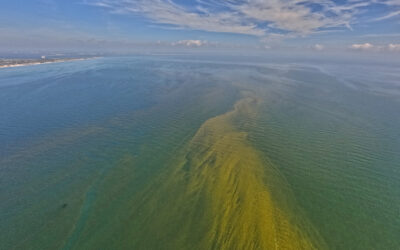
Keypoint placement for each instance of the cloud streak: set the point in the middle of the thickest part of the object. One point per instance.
(170, 13)
(190, 43)
(376, 48)
(251, 17)
(363, 46)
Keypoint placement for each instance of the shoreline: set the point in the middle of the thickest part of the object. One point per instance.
(45, 62)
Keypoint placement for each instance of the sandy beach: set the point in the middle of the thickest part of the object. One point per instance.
(41, 61)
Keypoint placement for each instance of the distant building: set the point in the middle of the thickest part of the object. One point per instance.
(43, 57)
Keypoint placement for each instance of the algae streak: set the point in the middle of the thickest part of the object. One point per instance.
(216, 196)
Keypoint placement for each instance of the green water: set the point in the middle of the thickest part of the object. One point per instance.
(172, 153)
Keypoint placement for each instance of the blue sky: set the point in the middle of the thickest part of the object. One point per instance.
(367, 25)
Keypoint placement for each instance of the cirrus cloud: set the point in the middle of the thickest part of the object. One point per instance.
(251, 17)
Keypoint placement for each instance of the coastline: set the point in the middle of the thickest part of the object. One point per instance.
(44, 62)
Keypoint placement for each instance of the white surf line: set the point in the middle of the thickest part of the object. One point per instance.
(38, 63)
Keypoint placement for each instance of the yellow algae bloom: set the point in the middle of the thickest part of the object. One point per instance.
(217, 196)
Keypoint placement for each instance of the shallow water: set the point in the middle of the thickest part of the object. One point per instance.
(176, 153)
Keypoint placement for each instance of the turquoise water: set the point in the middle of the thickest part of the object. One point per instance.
(89, 148)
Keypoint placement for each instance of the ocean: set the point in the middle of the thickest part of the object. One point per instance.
(199, 152)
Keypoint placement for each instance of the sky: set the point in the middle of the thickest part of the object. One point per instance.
(319, 25)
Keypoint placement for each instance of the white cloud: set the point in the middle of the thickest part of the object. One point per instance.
(296, 15)
(251, 17)
(363, 46)
(394, 47)
(170, 13)
(190, 43)
(319, 47)
(390, 15)
(392, 2)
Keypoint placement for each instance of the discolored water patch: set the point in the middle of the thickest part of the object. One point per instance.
(216, 197)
